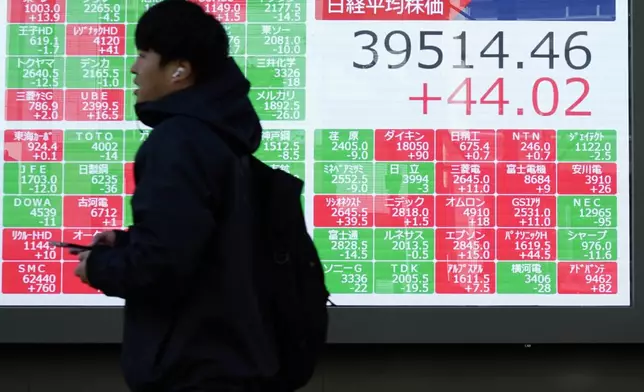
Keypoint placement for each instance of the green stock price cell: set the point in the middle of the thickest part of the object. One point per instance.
(587, 244)
(344, 244)
(136, 8)
(35, 72)
(129, 76)
(130, 47)
(35, 40)
(586, 145)
(127, 217)
(343, 178)
(404, 244)
(515, 277)
(587, 211)
(33, 178)
(267, 11)
(94, 145)
(343, 145)
(295, 168)
(93, 178)
(276, 39)
(402, 178)
(95, 72)
(133, 140)
(96, 11)
(130, 100)
(279, 104)
(288, 72)
(241, 63)
(32, 211)
(349, 277)
(281, 145)
(404, 278)
(236, 39)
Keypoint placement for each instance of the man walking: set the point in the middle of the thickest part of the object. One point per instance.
(193, 321)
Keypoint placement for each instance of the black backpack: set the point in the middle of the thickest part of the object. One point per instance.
(289, 273)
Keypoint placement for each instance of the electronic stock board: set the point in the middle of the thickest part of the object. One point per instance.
(458, 156)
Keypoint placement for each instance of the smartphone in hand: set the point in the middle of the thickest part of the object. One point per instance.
(77, 247)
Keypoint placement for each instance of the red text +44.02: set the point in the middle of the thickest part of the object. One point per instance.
(495, 95)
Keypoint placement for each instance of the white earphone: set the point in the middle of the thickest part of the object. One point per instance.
(178, 72)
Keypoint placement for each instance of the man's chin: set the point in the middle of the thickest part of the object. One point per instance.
(139, 98)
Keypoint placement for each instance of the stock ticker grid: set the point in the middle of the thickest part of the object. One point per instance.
(454, 152)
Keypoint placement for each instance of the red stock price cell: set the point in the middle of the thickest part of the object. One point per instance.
(587, 179)
(465, 211)
(95, 105)
(587, 278)
(465, 278)
(465, 244)
(342, 211)
(465, 178)
(34, 105)
(30, 244)
(83, 236)
(517, 145)
(31, 277)
(95, 40)
(526, 211)
(526, 244)
(465, 145)
(71, 283)
(404, 211)
(526, 178)
(228, 11)
(90, 211)
(33, 145)
(128, 172)
(41, 11)
(404, 145)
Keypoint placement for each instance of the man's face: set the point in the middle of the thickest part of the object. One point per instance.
(153, 80)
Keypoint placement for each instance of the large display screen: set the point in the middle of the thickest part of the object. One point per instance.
(455, 153)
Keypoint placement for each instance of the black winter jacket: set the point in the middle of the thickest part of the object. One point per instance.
(184, 266)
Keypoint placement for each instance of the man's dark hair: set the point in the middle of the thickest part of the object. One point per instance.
(182, 30)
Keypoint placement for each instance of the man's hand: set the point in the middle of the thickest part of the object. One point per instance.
(107, 238)
(81, 268)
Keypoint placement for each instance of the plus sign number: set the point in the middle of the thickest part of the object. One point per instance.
(452, 156)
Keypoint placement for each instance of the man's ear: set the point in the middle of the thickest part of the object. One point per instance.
(181, 71)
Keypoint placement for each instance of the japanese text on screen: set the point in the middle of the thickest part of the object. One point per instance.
(454, 152)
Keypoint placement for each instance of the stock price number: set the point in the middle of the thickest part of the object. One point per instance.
(399, 43)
